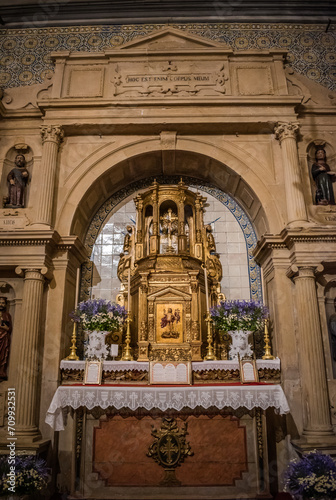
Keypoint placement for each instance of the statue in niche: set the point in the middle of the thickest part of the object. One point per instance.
(210, 239)
(128, 240)
(17, 182)
(323, 178)
(5, 333)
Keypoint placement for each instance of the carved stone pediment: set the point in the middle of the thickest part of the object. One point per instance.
(170, 39)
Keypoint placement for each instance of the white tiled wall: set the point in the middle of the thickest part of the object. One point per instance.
(230, 244)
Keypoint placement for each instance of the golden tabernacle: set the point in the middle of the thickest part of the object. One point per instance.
(170, 273)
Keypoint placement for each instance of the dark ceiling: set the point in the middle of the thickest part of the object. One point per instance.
(44, 13)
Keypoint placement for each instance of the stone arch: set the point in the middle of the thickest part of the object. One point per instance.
(116, 200)
(109, 171)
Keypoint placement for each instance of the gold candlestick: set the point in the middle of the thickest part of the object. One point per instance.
(268, 354)
(210, 356)
(73, 356)
(128, 351)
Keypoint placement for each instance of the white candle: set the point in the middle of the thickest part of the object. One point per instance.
(77, 287)
(129, 290)
(206, 289)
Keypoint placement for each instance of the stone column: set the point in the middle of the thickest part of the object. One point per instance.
(296, 207)
(27, 410)
(317, 424)
(51, 138)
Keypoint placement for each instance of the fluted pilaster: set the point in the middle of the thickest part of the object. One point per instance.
(28, 365)
(317, 423)
(51, 138)
(296, 208)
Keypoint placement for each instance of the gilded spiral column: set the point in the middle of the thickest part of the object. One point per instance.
(51, 139)
(27, 412)
(317, 423)
(296, 207)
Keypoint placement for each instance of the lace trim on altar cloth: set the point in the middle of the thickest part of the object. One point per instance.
(163, 398)
(197, 366)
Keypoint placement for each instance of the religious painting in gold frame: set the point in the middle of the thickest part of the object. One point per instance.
(169, 322)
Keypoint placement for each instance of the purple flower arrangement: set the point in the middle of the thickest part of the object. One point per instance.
(313, 476)
(99, 315)
(31, 475)
(231, 315)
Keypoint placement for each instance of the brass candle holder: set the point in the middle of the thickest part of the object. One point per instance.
(127, 356)
(268, 354)
(73, 356)
(210, 356)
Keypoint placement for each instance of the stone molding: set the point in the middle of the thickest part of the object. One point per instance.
(53, 244)
(289, 237)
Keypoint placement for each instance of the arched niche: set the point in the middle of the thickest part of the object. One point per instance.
(96, 181)
(331, 161)
(111, 205)
(9, 164)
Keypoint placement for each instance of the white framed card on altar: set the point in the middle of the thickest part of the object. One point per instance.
(248, 371)
(93, 372)
(170, 372)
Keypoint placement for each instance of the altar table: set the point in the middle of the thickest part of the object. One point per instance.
(164, 397)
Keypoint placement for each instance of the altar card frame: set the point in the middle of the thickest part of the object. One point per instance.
(93, 373)
(170, 373)
(248, 371)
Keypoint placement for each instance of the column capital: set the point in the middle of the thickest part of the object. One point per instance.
(33, 272)
(304, 271)
(52, 133)
(284, 130)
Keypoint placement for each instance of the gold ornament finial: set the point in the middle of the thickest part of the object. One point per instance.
(268, 354)
(73, 356)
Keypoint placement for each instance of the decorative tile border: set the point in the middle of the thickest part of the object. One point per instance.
(25, 53)
(105, 211)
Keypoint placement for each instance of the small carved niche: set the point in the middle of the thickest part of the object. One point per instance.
(20, 148)
(330, 155)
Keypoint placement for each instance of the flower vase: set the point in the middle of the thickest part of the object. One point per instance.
(95, 345)
(240, 344)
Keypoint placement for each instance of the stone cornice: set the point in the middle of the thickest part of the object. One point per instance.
(38, 248)
(28, 238)
(289, 238)
(74, 245)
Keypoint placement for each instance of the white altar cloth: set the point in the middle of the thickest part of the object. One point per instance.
(197, 366)
(234, 396)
